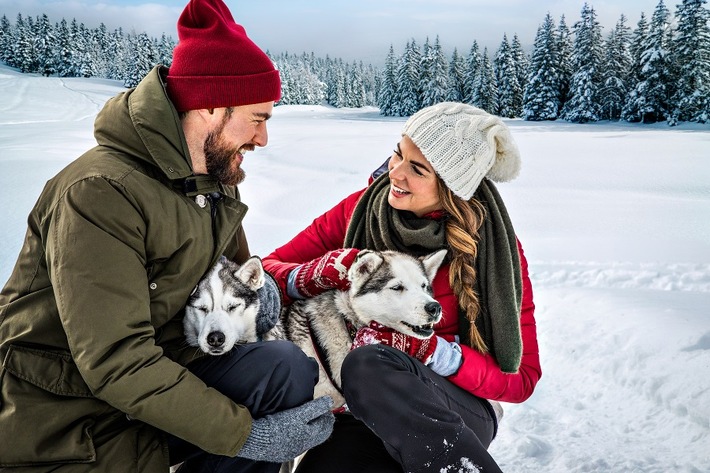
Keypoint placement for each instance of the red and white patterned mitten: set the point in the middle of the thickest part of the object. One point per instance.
(330, 271)
(374, 333)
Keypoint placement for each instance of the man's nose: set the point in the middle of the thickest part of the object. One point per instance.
(261, 137)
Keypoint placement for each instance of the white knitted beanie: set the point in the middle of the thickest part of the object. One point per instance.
(464, 144)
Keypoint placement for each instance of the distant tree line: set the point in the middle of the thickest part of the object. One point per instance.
(70, 49)
(309, 80)
(659, 71)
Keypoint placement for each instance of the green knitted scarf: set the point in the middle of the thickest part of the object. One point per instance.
(377, 226)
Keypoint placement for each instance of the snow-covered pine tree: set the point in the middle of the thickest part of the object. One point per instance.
(485, 89)
(638, 38)
(629, 111)
(564, 48)
(336, 81)
(309, 80)
(371, 81)
(5, 37)
(522, 69)
(44, 43)
(473, 65)
(307, 88)
(298, 95)
(10, 50)
(78, 46)
(541, 100)
(387, 96)
(120, 49)
(22, 51)
(313, 85)
(145, 57)
(98, 42)
(649, 101)
(425, 68)
(507, 81)
(62, 49)
(582, 107)
(436, 71)
(408, 79)
(691, 54)
(616, 71)
(333, 81)
(285, 72)
(165, 50)
(457, 71)
(355, 88)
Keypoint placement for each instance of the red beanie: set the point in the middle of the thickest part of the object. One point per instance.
(215, 64)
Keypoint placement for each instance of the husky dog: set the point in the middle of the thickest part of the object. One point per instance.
(240, 304)
(232, 304)
(388, 287)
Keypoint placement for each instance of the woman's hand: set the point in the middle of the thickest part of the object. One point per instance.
(422, 350)
(442, 356)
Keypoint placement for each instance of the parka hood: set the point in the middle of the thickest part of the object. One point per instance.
(142, 122)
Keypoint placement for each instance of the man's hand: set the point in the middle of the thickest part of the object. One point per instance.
(283, 436)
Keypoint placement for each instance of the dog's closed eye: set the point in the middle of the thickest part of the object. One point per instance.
(398, 287)
(233, 307)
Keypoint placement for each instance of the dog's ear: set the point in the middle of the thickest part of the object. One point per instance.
(365, 264)
(251, 273)
(432, 262)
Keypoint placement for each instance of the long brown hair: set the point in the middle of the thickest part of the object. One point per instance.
(462, 225)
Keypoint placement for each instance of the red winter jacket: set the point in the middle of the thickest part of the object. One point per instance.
(479, 374)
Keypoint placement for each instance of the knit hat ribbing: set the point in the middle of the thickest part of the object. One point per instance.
(215, 64)
(464, 144)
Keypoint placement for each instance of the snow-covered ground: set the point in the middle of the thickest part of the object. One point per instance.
(614, 219)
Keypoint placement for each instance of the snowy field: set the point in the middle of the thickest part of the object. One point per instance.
(614, 219)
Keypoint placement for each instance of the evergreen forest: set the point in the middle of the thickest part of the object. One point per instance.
(657, 70)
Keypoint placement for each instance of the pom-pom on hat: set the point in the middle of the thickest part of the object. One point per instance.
(215, 64)
(464, 144)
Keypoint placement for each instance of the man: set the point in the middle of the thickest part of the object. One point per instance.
(96, 374)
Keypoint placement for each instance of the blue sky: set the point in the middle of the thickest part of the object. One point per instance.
(352, 30)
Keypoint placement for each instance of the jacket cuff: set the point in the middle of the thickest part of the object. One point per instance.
(291, 289)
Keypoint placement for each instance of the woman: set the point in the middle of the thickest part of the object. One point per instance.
(427, 407)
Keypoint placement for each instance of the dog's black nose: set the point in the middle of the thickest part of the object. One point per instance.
(433, 309)
(215, 339)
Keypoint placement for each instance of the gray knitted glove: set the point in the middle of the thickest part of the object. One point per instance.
(285, 435)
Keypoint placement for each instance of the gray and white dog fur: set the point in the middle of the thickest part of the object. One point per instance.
(232, 304)
(240, 304)
(388, 287)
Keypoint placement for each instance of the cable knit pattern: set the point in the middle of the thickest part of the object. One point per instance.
(464, 144)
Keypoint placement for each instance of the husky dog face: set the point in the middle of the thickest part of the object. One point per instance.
(223, 308)
(395, 290)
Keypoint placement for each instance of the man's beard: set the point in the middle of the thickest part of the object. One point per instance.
(219, 158)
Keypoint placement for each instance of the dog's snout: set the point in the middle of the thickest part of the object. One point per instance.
(433, 309)
(215, 339)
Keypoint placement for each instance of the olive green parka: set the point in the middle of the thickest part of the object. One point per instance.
(91, 338)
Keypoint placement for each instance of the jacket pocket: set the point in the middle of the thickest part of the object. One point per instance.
(47, 412)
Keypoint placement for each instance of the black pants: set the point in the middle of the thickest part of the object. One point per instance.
(405, 418)
(265, 377)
